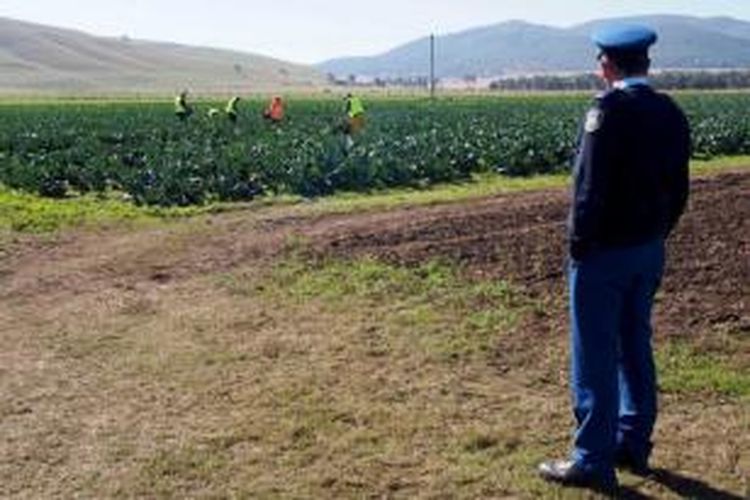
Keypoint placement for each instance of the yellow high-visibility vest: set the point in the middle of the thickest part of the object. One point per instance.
(179, 105)
(355, 107)
(231, 108)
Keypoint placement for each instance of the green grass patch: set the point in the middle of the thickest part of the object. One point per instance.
(431, 306)
(23, 212)
(715, 165)
(480, 186)
(684, 369)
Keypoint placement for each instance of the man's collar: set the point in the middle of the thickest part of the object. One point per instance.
(630, 82)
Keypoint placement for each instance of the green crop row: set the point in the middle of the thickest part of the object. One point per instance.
(142, 151)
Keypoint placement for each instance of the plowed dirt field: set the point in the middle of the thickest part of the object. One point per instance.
(522, 238)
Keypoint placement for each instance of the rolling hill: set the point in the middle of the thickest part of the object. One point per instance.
(518, 47)
(42, 59)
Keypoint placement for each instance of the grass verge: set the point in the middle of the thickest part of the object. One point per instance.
(481, 186)
(21, 212)
(684, 369)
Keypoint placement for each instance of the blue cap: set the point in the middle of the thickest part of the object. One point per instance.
(624, 37)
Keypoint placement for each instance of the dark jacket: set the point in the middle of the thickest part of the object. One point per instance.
(631, 172)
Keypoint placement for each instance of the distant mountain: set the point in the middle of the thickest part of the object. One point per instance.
(518, 47)
(42, 59)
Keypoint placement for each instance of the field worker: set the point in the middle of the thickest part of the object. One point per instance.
(355, 114)
(355, 119)
(213, 113)
(232, 109)
(631, 186)
(274, 112)
(182, 109)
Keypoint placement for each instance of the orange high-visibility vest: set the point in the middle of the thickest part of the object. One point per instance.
(275, 110)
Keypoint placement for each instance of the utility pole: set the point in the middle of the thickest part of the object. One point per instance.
(432, 66)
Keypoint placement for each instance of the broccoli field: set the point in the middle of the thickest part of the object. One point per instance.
(144, 152)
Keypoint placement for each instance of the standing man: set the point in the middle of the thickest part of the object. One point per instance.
(631, 186)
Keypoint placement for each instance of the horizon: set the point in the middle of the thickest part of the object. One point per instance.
(336, 35)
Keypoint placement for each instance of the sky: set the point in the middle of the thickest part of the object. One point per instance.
(310, 31)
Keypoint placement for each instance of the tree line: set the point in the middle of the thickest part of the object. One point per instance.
(671, 80)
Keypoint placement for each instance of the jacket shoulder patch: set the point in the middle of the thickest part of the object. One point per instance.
(593, 120)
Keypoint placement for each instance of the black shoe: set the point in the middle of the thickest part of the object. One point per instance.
(626, 461)
(567, 473)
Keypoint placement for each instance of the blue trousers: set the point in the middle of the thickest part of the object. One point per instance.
(613, 379)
